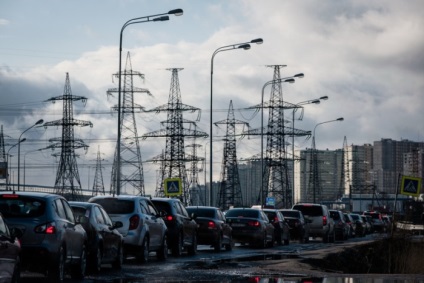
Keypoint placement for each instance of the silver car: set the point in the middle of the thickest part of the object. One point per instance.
(143, 228)
(321, 223)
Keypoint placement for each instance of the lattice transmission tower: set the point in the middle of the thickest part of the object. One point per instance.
(229, 193)
(131, 175)
(174, 158)
(275, 178)
(68, 181)
(3, 160)
(193, 175)
(98, 184)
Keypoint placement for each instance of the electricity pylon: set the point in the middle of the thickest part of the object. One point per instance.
(131, 168)
(174, 158)
(193, 175)
(68, 181)
(229, 193)
(275, 179)
(98, 185)
(3, 159)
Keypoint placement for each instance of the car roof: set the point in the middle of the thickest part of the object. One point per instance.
(82, 203)
(128, 197)
(33, 194)
(166, 199)
(203, 207)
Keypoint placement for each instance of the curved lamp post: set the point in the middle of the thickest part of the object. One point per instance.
(41, 121)
(310, 101)
(145, 19)
(282, 80)
(315, 161)
(7, 154)
(244, 46)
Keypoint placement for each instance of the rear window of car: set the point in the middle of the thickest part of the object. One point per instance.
(335, 215)
(310, 210)
(116, 206)
(288, 213)
(21, 206)
(242, 213)
(162, 206)
(208, 213)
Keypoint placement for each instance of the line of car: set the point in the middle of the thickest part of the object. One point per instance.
(45, 233)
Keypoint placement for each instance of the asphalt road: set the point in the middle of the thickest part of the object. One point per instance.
(206, 266)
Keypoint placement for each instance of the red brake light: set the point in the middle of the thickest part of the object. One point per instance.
(169, 218)
(134, 220)
(254, 223)
(324, 220)
(211, 225)
(48, 228)
(10, 196)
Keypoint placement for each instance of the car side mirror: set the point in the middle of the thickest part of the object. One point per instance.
(16, 233)
(118, 224)
(193, 216)
(162, 213)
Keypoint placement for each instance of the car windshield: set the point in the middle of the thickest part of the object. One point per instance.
(208, 213)
(310, 210)
(116, 206)
(21, 206)
(242, 213)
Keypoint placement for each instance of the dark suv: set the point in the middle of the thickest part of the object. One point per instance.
(182, 228)
(51, 239)
(321, 223)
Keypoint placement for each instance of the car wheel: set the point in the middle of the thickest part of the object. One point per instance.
(287, 241)
(177, 249)
(144, 252)
(96, 261)
(332, 238)
(78, 270)
(192, 250)
(229, 246)
(218, 244)
(117, 264)
(326, 237)
(279, 239)
(56, 272)
(162, 253)
(16, 277)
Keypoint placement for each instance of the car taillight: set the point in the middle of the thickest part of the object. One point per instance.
(134, 220)
(324, 220)
(254, 223)
(47, 228)
(169, 218)
(211, 225)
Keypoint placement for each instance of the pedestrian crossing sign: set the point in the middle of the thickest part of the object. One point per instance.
(172, 187)
(410, 186)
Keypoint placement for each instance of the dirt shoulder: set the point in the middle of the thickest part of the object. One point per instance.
(325, 263)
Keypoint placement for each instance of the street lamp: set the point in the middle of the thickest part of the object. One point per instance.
(41, 121)
(244, 46)
(310, 101)
(7, 159)
(145, 19)
(315, 161)
(282, 80)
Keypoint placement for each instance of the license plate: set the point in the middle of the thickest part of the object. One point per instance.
(237, 225)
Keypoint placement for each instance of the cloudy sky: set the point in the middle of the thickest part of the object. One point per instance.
(366, 56)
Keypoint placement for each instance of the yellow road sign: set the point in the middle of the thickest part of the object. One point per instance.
(172, 187)
(410, 186)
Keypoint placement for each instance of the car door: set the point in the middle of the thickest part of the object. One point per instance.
(103, 225)
(188, 225)
(155, 227)
(75, 232)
